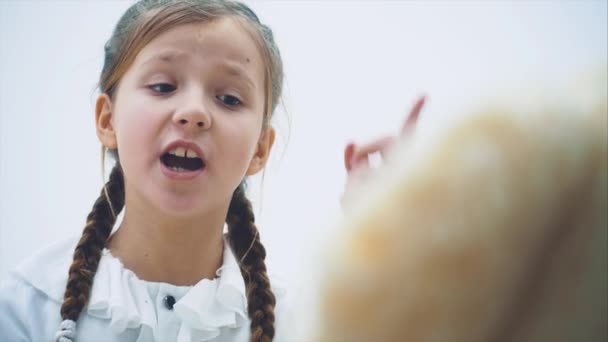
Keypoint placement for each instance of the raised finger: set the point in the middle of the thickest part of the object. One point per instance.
(349, 150)
(378, 145)
(412, 117)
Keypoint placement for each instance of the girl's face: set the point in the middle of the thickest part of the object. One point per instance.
(187, 118)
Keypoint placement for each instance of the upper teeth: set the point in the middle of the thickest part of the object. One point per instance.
(184, 152)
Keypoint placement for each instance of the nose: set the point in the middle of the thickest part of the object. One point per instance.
(194, 117)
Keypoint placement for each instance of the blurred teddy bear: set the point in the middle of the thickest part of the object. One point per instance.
(491, 229)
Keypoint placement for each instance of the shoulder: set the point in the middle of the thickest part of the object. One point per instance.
(15, 299)
(285, 320)
(27, 313)
(47, 270)
(31, 295)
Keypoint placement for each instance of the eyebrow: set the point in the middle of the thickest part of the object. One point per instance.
(166, 57)
(235, 70)
(232, 68)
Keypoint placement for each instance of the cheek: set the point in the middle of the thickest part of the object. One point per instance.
(136, 129)
(240, 142)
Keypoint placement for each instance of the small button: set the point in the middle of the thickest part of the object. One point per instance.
(169, 302)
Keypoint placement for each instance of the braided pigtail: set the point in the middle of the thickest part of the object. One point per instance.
(245, 241)
(87, 254)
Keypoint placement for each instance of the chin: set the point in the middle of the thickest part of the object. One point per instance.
(182, 207)
(178, 205)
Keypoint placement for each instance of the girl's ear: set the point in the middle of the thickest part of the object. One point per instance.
(103, 121)
(262, 151)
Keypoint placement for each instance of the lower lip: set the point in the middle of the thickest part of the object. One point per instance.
(180, 175)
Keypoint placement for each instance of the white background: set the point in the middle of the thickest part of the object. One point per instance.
(353, 69)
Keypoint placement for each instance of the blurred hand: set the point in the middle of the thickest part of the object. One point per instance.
(356, 157)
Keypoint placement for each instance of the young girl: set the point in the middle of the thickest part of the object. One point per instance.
(188, 89)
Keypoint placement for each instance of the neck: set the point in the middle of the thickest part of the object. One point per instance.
(179, 251)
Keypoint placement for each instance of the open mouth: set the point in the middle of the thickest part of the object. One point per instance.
(181, 159)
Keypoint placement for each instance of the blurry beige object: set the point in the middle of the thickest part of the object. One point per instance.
(491, 229)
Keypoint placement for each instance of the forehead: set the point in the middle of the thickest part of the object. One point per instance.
(223, 40)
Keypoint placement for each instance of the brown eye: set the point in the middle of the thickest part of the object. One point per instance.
(229, 100)
(162, 88)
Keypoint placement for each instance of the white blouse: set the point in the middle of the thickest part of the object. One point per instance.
(125, 308)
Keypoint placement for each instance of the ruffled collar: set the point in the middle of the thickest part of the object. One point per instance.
(119, 295)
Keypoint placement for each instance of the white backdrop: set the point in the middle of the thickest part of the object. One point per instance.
(353, 68)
